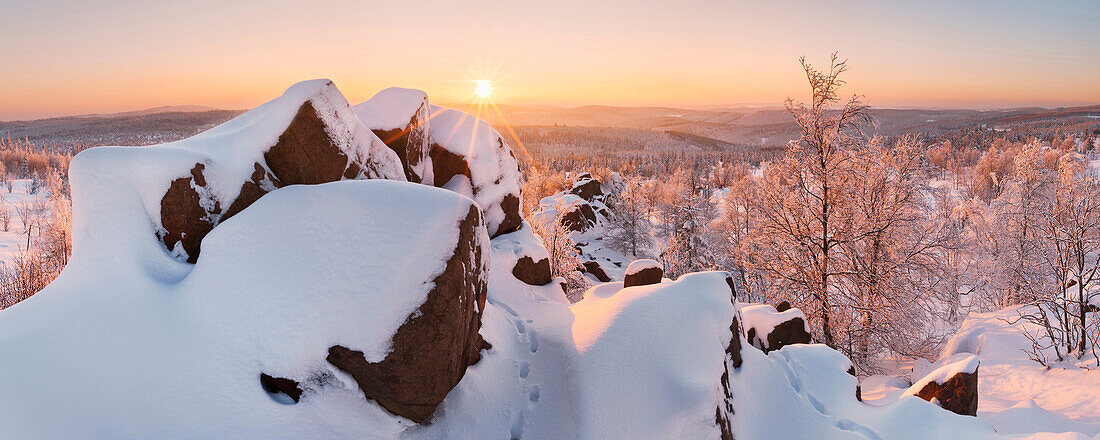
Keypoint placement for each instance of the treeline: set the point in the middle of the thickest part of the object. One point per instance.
(886, 243)
(45, 220)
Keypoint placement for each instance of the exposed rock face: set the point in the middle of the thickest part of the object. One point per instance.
(643, 272)
(446, 165)
(724, 413)
(306, 154)
(400, 118)
(282, 385)
(432, 349)
(783, 334)
(596, 270)
(463, 145)
(183, 216)
(959, 394)
(588, 188)
(535, 273)
(579, 218)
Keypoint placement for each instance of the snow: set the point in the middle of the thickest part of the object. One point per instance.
(685, 329)
(764, 318)
(13, 240)
(391, 108)
(957, 364)
(1016, 396)
(494, 170)
(231, 150)
(643, 264)
(304, 268)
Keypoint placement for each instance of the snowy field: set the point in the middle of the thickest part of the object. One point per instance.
(13, 239)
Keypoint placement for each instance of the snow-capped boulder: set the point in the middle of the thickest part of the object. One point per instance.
(587, 188)
(685, 325)
(953, 386)
(642, 272)
(573, 212)
(468, 156)
(303, 270)
(400, 118)
(309, 135)
(768, 329)
(596, 270)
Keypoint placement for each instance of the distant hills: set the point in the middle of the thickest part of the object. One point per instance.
(710, 128)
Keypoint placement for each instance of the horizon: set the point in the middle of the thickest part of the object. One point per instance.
(62, 58)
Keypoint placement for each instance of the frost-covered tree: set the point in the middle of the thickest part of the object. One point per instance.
(628, 227)
(803, 203)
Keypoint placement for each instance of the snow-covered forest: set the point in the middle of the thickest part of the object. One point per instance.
(887, 243)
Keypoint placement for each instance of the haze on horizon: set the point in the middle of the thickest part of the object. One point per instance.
(64, 57)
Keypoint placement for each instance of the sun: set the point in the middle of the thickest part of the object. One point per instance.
(483, 88)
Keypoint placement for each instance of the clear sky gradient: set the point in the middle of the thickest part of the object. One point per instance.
(63, 57)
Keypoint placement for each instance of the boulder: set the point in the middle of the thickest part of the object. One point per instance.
(400, 118)
(579, 217)
(307, 136)
(953, 385)
(643, 272)
(535, 273)
(469, 157)
(768, 329)
(431, 350)
(587, 188)
(596, 270)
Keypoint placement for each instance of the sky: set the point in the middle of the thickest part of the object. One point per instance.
(65, 57)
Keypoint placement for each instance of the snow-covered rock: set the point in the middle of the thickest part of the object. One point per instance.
(642, 272)
(125, 344)
(686, 328)
(308, 135)
(400, 117)
(768, 329)
(470, 157)
(953, 386)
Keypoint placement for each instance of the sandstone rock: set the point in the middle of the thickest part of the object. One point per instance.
(643, 272)
(282, 385)
(432, 349)
(463, 145)
(953, 385)
(579, 217)
(400, 118)
(535, 273)
(959, 394)
(768, 329)
(588, 189)
(596, 270)
(317, 140)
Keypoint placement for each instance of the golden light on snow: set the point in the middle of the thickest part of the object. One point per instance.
(483, 88)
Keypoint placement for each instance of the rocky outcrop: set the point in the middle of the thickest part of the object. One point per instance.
(321, 141)
(579, 217)
(535, 273)
(724, 413)
(587, 188)
(953, 385)
(959, 394)
(431, 350)
(643, 272)
(594, 268)
(400, 118)
(471, 158)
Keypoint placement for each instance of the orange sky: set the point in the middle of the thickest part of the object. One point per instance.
(61, 57)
